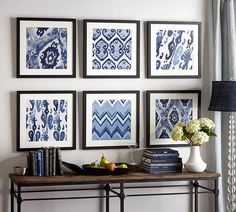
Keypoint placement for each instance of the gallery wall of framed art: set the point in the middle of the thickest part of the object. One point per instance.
(167, 108)
(46, 48)
(173, 49)
(46, 119)
(111, 48)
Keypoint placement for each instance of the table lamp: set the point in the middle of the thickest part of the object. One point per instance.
(223, 99)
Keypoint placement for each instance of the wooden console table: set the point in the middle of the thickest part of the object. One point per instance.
(113, 186)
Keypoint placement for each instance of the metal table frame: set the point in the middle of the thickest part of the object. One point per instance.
(112, 188)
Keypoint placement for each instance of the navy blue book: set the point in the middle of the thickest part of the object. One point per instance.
(160, 165)
(160, 155)
(162, 171)
(39, 163)
(160, 151)
(42, 161)
(162, 160)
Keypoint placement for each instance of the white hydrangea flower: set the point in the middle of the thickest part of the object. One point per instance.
(199, 138)
(181, 124)
(205, 122)
(177, 133)
(193, 126)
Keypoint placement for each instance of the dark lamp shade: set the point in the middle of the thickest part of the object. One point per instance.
(223, 97)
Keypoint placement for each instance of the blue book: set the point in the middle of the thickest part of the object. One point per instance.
(160, 155)
(40, 163)
(161, 164)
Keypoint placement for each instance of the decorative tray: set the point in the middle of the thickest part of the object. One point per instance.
(102, 171)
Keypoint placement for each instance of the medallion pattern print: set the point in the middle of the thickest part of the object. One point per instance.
(46, 120)
(111, 119)
(112, 49)
(46, 48)
(169, 112)
(174, 50)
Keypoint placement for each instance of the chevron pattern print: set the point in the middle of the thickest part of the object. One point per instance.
(169, 112)
(111, 119)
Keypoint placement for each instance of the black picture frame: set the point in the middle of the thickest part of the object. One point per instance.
(173, 49)
(46, 47)
(116, 129)
(46, 119)
(163, 115)
(107, 65)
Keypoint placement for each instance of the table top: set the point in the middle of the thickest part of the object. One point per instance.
(131, 177)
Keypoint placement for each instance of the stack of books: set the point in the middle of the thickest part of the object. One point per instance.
(162, 160)
(45, 162)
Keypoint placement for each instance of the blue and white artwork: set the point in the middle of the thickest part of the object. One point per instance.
(168, 113)
(111, 119)
(46, 120)
(111, 49)
(174, 49)
(46, 48)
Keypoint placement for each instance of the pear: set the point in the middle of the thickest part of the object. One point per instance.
(103, 161)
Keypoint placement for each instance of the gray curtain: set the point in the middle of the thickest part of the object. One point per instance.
(224, 66)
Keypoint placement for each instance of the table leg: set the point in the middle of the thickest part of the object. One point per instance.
(196, 184)
(107, 189)
(12, 196)
(122, 197)
(19, 199)
(216, 191)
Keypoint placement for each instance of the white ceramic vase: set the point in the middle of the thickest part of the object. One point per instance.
(195, 162)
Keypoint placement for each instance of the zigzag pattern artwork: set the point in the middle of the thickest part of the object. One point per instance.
(111, 119)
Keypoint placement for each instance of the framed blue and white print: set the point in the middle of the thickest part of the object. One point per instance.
(46, 48)
(165, 109)
(46, 118)
(110, 119)
(111, 49)
(174, 49)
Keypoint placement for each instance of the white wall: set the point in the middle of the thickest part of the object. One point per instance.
(159, 10)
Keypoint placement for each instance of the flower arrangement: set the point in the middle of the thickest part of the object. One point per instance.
(196, 132)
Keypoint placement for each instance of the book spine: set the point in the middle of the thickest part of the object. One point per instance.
(46, 161)
(163, 160)
(162, 171)
(34, 164)
(160, 156)
(50, 161)
(39, 163)
(59, 169)
(161, 168)
(29, 163)
(161, 164)
(53, 161)
(160, 151)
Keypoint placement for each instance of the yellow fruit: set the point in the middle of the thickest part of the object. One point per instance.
(104, 161)
(123, 166)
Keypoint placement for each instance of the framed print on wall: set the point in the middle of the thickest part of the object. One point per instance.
(174, 49)
(46, 48)
(46, 119)
(165, 109)
(110, 119)
(111, 49)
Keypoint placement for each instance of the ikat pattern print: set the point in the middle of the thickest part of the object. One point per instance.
(46, 48)
(111, 119)
(112, 49)
(169, 112)
(46, 120)
(174, 49)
